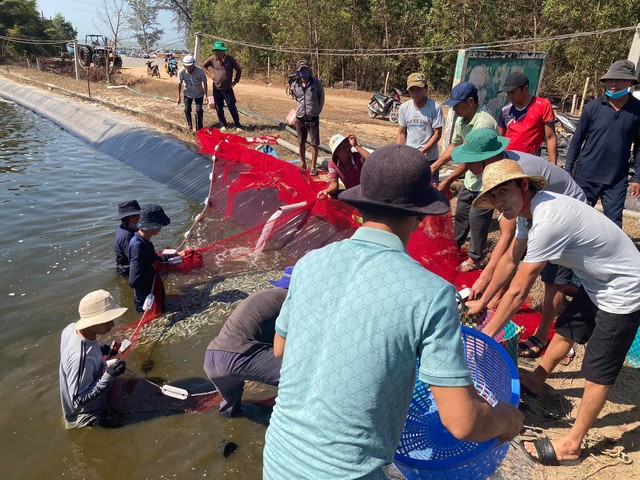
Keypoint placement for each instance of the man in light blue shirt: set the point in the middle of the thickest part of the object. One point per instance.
(348, 371)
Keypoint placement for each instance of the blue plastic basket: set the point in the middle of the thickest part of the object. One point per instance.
(427, 450)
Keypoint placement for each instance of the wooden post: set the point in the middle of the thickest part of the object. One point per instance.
(634, 51)
(584, 93)
(574, 103)
(196, 48)
(88, 84)
(38, 63)
(268, 67)
(386, 82)
(28, 63)
(76, 60)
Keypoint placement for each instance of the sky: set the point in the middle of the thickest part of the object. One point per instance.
(83, 15)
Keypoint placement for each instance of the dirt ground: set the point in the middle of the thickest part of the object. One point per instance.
(613, 444)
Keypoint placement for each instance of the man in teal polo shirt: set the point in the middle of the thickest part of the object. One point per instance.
(464, 103)
(348, 371)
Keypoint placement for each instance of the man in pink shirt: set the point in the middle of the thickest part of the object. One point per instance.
(527, 120)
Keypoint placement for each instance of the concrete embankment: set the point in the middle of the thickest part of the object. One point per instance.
(157, 155)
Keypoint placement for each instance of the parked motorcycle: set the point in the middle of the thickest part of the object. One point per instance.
(153, 70)
(385, 106)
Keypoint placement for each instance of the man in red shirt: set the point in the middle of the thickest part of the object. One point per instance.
(527, 120)
(345, 164)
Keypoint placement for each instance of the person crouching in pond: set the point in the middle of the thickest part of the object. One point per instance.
(128, 214)
(243, 350)
(84, 376)
(345, 164)
(142, 254)
(605, 311)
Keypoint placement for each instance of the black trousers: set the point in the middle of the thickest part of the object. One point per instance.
(199, 111)
(475, 220)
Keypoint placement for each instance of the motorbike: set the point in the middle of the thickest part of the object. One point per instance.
(153, 70)
(385, 106)
(172, 67)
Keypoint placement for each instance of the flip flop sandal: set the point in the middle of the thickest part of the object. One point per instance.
(568, 358)
(532, 347)
(546, 454)
(313, 172)
(467, 266)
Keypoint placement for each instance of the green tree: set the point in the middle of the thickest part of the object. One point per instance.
(60, 28)
(143, 22)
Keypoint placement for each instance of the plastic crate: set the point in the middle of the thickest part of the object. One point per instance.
(427, 450)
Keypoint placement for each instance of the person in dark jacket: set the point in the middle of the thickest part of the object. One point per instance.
(243, 350)
(607, 134)
(142, 254)
(128, 214)
(309, 93)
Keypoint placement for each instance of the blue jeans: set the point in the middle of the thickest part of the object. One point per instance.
(222, 96)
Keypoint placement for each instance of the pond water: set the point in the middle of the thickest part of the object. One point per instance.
(57, 197)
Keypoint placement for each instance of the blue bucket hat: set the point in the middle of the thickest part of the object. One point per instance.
(152, 216)
(284, 281)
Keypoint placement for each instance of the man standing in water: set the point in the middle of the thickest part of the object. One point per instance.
(195, 89)
(128, 214)
(420, 120)
(348, 372)
(84, 376)
(223, 66)
(605, 312)
(142, 254)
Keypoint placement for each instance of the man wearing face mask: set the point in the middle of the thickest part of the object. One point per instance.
(609, 127)
(309, 93)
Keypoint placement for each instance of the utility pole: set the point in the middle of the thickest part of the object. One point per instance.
(76, 61)
(634, 51)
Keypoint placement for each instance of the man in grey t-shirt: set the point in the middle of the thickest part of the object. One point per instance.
(420, 120)
(195, 89)
(84, 376)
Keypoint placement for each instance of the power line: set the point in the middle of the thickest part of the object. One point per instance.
(416, 50)
(30, 41)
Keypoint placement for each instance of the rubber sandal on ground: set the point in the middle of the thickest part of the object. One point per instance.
(568, 358)
(313, 172)
(546, 453)
(467, 266)
(532, 347)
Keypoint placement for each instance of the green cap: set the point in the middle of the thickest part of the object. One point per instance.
(219, 45)
(480, 145)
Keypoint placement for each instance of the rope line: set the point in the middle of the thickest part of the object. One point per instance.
(416, 50)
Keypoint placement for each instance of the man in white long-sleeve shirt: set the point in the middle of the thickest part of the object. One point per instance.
(84, 376)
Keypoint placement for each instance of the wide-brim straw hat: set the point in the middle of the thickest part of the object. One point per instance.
(501, 172)
(621, 70)
(396, 179)
(96, 308)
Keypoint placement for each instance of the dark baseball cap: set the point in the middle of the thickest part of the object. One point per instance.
(460, 93)
(301, 64)
(513, 81)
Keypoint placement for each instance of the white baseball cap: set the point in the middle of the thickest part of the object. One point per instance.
(188, 60)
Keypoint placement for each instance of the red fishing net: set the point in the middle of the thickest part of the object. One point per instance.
(262, 213)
